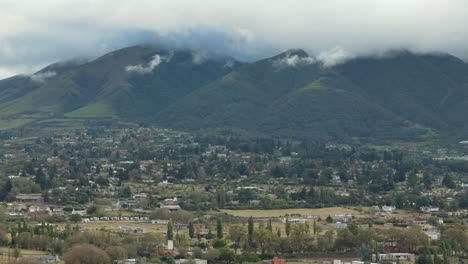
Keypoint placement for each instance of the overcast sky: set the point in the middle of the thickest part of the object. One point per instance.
(35, 33)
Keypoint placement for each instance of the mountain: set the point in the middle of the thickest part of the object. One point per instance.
(290, 95)
(398, 96)
(132, 83)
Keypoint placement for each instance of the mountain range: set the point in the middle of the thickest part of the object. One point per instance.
(397, 96)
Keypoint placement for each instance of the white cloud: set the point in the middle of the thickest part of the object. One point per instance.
(361, 27)
(149, 67)
(293, 60)
(42, 76)
(327, 58)
(334, 57)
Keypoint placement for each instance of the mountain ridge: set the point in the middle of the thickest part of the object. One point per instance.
(401, 96)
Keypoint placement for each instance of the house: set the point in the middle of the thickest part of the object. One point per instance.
(394, 257)
(126, 261)
(429, 209)
(339, 226)
(388, 208)
(46, 259)
(39, 208)
(29, 198)
(78, 212)
(130, 230)
(160, 222)
(294, 221)
(170, 207)
(345, 217)
(277, 260)
(196, 261)
(432, 235)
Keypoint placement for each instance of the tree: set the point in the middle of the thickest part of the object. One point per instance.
(456, 238)
(210, 234)
(237, 234)
(246, 195)
(325, 242)
(117, 252)
(212, 255)
(40, 178)
(251, 230)
(329, 219)
(287, 226)
(219, 228)
(265, 239)
(221, 197)
(269, 225)
(68, 230)
(170, 230)
(227, 255)
(86, 254)
(448, 181)
(191, 230)
(314, 226)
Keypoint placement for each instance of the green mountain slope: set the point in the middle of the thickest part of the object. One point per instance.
(106, 86)
(304, 100)
(400, 96)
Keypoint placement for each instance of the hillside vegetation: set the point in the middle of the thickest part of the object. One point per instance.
(400, 96)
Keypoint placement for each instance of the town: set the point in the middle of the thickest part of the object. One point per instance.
(149, 195)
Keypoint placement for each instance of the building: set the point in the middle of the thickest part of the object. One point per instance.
(131, 230)
(29, 198)
(339, 226)
(394, 257)
(277, 260)
(294, 221)
(432, 235)
(429, 209)
(186, 261)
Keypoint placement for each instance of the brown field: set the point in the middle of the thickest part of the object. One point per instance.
(322, 212)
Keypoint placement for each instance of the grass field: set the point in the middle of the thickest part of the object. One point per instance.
(7, 124)
(114, 226)
(95, 110)
(322, 212)
(6, 254)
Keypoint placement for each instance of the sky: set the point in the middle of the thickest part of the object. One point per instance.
(35, 33)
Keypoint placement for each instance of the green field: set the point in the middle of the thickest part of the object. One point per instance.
(8, 124)
(95, 110)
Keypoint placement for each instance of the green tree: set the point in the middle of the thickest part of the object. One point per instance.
(287, 226)
(191, 230)
(251, 230)
(219, 228)
(269, 225)
(238, 235)
(226, 255)
(264, 239)
(170, 230)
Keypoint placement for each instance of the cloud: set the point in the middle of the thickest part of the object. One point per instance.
(198, 57)
(293, 60)
(229, 64)
(41, 32)
(41, 77)
(334, 57)
(326, 59)
(149, 67)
